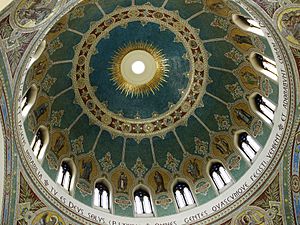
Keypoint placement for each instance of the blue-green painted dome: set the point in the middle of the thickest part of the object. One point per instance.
(173, 120)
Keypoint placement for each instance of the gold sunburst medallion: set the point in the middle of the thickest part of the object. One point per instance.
(139, 69)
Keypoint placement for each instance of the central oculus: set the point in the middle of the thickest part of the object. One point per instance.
(139, 69)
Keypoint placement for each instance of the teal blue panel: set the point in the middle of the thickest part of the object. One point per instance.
(239, 172)
(188, 133)
(71, 110)
(211, 193)
(218, 86)
(275, 93)
(268, 51)
(143, 105)
(135, 150)
(168, 144)
(218, 50)
(108, 5)
(185, 10)
(107, 144)
(264, 136)
(202, 22)
(89, 133)
(211, 108)
(68, 40)
(82, 24)
(160, 211)
(124, 212)
(86, 199)
(60, 72)
(51, 172)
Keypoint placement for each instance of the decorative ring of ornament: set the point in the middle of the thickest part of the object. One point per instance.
(178, 113)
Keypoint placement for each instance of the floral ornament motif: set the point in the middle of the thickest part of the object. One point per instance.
(56, 118)
(139, 168)
(257, 128)
(54, 45)
(220, 23)
(123, 202)
(234, 163)
(201, 147)
(77, 145)
(164, 201)
(106, 162)
(235, 56)
(171, 163)
(223, 122)
(235, 90)
(48, 82)
(77, 13)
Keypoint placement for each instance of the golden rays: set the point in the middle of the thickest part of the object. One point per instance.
(137, 88)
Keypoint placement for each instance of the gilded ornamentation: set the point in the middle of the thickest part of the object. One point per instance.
(48, 82)
(235, 90)
(123, 202)
(220, 23)
(252, 215)
(289, 25)
(31, 13)
(106, 163)
(77, 145)
(223, 122)
(171, 163)
(56, 118)
(235, 56)
(54, 45)
(139, 168)
(132, 89)
(138, 129)
(48, 217)
(201, 147)
(164, 201)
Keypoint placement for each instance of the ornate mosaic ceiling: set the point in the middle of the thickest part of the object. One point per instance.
(173, 124)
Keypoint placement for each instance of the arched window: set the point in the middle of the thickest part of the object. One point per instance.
(40, 142)
(65, 175)
(264, 65)
(28, 100)
(183, 195)
(142, 202)
(247, 24)
(219, 175)
(248, 145)
(101, 195)
(265, 108)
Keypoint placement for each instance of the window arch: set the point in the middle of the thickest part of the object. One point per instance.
(183, 195)
(264, 65)
(101, 195)
(248, 145)
(264, 107)
(247, 24)
(142, 202)
(40, 142)
(28, 100)
(66, 175)
(219, 175)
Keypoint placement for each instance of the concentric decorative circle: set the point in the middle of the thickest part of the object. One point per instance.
(146, 82)
(179, 112)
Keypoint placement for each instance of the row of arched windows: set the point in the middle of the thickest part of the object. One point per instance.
(142, 201)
